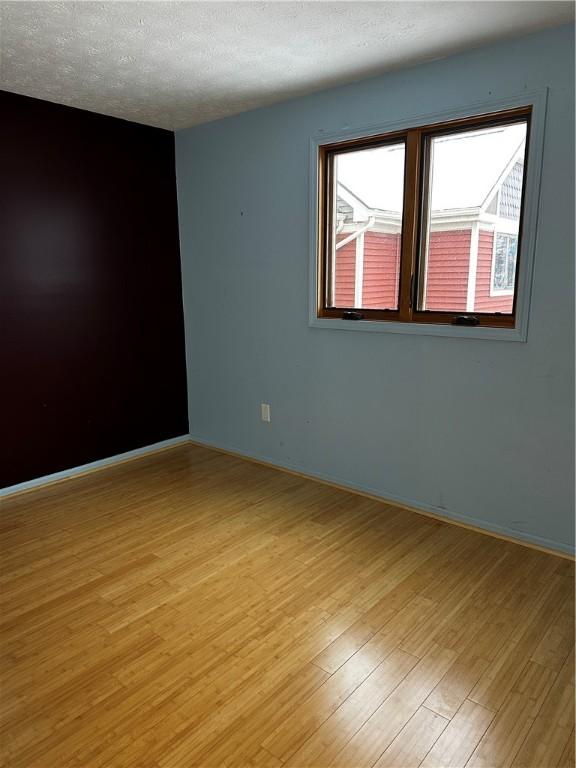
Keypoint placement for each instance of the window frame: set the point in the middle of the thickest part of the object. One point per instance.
(503, 327)
(325, 223)
(415, 219)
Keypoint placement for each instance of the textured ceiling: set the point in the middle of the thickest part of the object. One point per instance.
(175, 64)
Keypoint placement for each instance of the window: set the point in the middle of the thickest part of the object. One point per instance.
(366, 255)
(424, 225)
(504, 264)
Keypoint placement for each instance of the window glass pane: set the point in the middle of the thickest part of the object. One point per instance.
(472, 223)
(504, 262)
(367, 225)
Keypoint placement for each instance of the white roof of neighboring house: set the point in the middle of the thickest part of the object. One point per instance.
(466, 169)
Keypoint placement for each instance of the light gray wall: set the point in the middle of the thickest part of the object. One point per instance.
(480, 431)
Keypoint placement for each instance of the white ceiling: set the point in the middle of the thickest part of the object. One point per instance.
(176, 64)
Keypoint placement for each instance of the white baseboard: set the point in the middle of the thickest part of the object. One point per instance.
(491, 529)
(481, 526)
(92, 466)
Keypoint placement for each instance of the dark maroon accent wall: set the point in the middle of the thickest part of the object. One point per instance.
(92, 359)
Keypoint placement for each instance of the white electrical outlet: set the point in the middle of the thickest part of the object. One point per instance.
(265, 412)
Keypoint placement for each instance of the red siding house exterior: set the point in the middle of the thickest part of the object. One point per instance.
(447, 274)
(345, 282)
(381, 270)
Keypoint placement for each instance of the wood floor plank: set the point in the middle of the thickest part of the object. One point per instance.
(509, 729)
(414, 741)
(195, 609)
(552, 728)
(555, 646)
(374, 737)
(333, 734)
(568, 757)
(460, 738)
(452, 691)
(499, 679)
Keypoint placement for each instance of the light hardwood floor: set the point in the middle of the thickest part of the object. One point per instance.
(194, 609)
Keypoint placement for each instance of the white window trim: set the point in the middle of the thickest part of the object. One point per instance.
(537, 100)
(504, 226)
(359, 271)
(473, 267)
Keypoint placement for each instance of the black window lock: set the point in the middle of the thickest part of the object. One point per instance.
(465, 320)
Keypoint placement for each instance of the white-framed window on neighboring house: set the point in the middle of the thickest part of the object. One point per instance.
(504, 264)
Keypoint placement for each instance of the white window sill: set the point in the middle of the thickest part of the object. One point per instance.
(420, 329)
